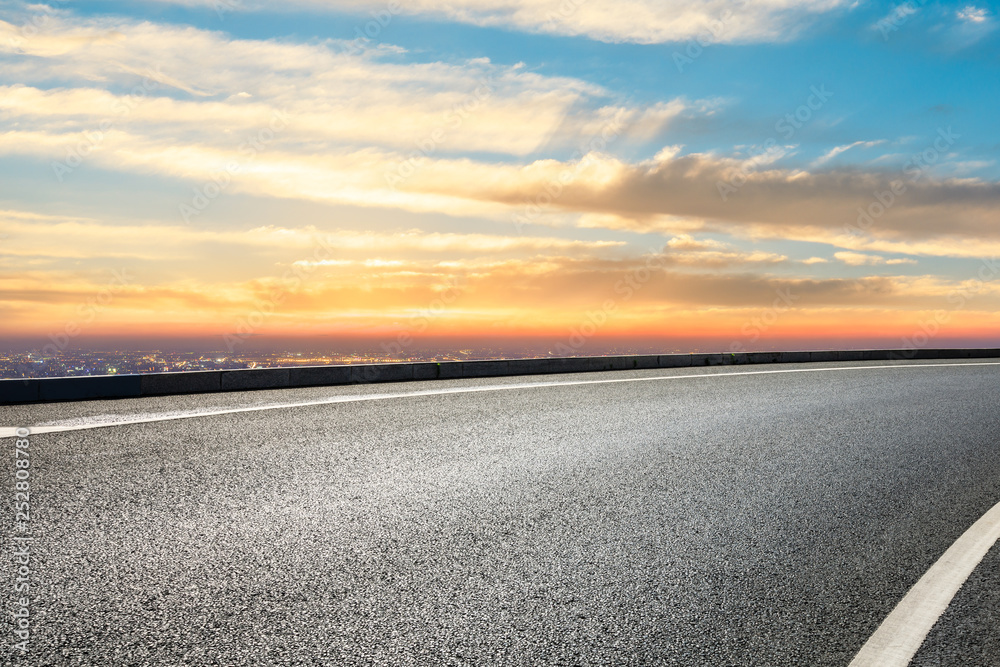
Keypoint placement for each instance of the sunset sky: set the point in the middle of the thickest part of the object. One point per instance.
(713, 174)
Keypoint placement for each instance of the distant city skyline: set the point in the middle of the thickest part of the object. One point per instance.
(650, 174)
(70, 363)
(192, 356)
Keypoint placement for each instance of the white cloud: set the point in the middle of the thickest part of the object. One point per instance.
(334, 95)
(638, 21)
(973, 24)
(60, 237)
(689, 243)
(355, 120)
(837, 150)
(973, 14)
(861, 259)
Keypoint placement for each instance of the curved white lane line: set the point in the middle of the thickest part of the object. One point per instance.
(6, 432)
(904, 630)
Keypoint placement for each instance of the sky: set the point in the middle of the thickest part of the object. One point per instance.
(711, 175)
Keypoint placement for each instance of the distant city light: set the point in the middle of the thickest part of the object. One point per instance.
(104, 362)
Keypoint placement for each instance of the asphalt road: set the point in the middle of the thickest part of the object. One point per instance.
(711, 519)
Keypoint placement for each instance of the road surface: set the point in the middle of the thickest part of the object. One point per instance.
(703, 516)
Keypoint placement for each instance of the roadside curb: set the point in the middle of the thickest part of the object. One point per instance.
(45, 390)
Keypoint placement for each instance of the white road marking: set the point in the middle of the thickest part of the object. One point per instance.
(6, 432)
(904, 630)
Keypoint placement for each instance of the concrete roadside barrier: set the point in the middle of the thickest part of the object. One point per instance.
(197, 382)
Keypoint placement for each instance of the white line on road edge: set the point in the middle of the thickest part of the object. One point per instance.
(8, 432)
(904, 630)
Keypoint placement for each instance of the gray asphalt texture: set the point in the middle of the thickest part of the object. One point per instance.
(765, 519)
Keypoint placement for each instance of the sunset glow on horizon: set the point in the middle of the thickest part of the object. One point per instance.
(709, 175)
